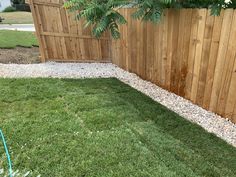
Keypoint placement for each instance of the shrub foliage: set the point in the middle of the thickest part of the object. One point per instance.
(9, 9)
(18, 1)
(103, 14)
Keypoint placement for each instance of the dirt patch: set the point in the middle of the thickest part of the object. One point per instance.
(20, 55)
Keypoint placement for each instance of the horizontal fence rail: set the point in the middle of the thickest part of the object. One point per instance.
(63, 38)
(190, 53)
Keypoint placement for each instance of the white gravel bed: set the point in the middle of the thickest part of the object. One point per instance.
(208, 120)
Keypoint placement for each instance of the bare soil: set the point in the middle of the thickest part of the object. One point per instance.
(20, 55)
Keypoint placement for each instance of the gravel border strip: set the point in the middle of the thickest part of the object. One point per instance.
(211, 122)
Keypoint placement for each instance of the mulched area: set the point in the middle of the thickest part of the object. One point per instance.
(20, 55)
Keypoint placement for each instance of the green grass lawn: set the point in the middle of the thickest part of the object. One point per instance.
(17, 18)
(11, 39)
(104, 128)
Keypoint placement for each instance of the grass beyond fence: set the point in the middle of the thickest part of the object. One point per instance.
(17, 18)
(104, 128)
(12, 39)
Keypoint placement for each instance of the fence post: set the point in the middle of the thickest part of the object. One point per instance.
(41, 47)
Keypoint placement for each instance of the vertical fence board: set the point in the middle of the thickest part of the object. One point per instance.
(224, 40)
(150, 52)
(37, 26)
(179, 54)
(192, 52)
(170, 38)
(164, 48)
(205, 58)
(212, 59)
(174, 68)
(228, 69)
(198, 53)
(156, 55)
(186, 32)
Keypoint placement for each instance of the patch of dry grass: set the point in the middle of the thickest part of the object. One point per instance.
(17, 18)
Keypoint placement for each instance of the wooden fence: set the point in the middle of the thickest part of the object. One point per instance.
(63, 38)
(189, 53)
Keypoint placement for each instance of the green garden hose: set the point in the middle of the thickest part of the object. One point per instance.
(7, 153)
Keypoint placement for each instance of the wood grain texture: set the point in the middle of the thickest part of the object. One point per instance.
(63, 38)
(198, 53)
(205, 58)
(190, 53)
(223, 46)
(228, 68)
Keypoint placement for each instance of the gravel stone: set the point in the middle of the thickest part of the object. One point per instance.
(211, 122)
